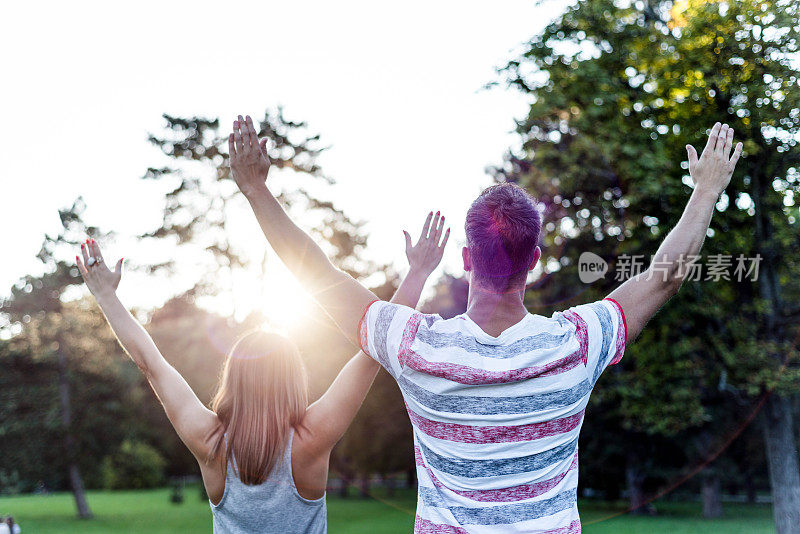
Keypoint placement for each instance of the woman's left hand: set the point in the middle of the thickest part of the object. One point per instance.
(98, 277)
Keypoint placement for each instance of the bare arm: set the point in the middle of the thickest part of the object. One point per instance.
(337, 292)
(193, 422)
(643, 295)
(328, 418)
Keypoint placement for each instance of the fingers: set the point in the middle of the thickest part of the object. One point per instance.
(231, 146)
(736, 153)
(692, 157)
(728, 143)
(95, 249)
(426, 227)
(118, 266)
(251, 132)
(237, 136)
(434, 226)
(409, 246)
(81, 266)
(444, 241)
(712, 137)
(263, 145)
(85, 253)
(245, 131)
(247, 144)
(722, 138)
(439, 227)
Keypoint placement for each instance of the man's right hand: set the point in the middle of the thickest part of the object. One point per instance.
(248, 158)
(713, 171)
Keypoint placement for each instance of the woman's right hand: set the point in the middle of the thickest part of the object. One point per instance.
(98, 277)
(425, 256)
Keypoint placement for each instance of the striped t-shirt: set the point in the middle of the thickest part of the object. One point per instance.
(496, 419)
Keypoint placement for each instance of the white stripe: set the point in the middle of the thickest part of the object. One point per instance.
(533, 386)
(496, 451)
(459, 356)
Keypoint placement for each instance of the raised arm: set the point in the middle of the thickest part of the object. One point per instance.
(337, 292)
(642, 296)
(194, 422)
(328, 418)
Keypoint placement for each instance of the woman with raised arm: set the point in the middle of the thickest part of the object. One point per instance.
(263, 452)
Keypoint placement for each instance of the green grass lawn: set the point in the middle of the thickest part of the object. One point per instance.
(151, 512)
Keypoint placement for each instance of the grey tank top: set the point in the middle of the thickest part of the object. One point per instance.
(272, 506)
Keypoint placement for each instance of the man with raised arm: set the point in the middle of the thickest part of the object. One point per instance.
(496, 395)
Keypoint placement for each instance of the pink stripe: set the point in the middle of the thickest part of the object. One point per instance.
(494, 434)
(512, 494)
(408, 337)
(581, 333)
(572, 528)
(418, 457)
(423, 526)
(472, 376)
(363, 340)
(622, 333)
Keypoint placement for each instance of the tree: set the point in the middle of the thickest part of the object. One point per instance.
(197, 210)
(42, 296)
(618, 89)
(49, 329)
(28, 389)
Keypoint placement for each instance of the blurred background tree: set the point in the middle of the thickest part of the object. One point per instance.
(71, 339)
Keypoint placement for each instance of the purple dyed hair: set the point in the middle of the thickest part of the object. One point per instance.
(503, 226)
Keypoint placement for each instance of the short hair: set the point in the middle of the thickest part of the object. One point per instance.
(502, 226)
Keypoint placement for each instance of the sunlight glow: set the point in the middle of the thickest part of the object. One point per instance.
(284, 302)
(273, 293)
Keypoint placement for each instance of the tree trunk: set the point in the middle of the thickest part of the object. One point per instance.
(778, 427)
(75, 480)
(634, 479)
(784, 473)
(712, 497)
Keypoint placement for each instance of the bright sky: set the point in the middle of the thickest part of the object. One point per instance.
(394, 89)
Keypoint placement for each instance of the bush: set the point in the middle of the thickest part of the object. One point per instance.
(135, 465)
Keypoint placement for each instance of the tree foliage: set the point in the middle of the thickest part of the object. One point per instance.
(618, 88)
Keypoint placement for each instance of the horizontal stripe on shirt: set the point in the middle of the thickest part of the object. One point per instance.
(494, 405)
(494, 434)
(502, 514)
(510, 494)
(470, 468)
(471, 376)
(449, 340)
(423, 526)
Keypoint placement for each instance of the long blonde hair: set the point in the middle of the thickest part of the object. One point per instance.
(262, 394)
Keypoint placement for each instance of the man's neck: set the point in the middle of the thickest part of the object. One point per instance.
(495, 312)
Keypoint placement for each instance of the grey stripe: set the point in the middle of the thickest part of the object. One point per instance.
(381, 335)
(494, 405)
(502, 514)
(497, 467)
(607, 331)
(440, 340)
